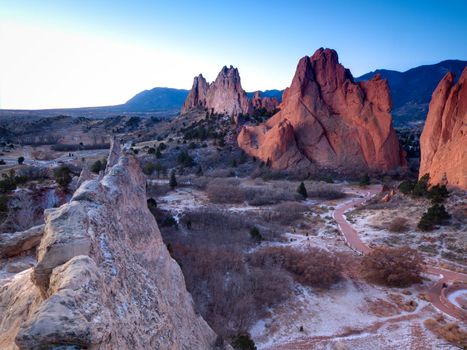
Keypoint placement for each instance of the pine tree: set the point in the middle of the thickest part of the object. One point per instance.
(435, 215)
(255, 234)
(365, 180)
(302, 190)
(173, 179)
(421, 187)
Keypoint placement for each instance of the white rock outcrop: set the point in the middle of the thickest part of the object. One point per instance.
(104, 278)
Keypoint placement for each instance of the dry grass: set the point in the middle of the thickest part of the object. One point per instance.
(323, 191)
(157, 190)
(229, 294)
(269, 195)
(408, 306)
(398, 225)
(382, 308)
(450, 332)
(286, 213)
(222, 191)
(315, 267)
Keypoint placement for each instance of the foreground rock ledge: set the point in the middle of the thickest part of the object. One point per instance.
(104, 278)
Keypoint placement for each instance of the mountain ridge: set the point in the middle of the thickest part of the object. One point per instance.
(411, 90)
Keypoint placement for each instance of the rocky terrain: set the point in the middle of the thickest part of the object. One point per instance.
(103, 277)
(224, 96)
(269, 104)
(68, 130)
(443, 143)
(264, 222)
(329, 120)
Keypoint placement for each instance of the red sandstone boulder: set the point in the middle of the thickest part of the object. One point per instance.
(333, 121)
(225, 95)
(443, 143)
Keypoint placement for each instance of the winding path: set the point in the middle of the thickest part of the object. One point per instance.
(437, 293)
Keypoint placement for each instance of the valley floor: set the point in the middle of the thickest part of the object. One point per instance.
(352, 314)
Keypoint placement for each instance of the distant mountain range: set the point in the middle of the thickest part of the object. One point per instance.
(411, 90)
(162, 98)
(268, 93)
(159, 98)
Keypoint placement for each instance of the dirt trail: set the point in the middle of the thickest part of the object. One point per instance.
(436, 292)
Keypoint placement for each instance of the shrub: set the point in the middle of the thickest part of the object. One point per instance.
(265, 196)
(435, 215)
(420, 189)
(9, 182)
(152, 206)
(149, 168)
(173, 179)
(302, 190)
(326, 192)
(406, 186)
(451, 332)
(76, 147)
(286, 213)
(168, 221)
(255, 234)
(229, 294)
(243, 342)
(62, 176)
(314, 267)
(365, 180)
(151, 150)
(2, 162)
(3, 204)
(327, 178)
(158, 153)
(398, 225)
(394, 267)
(215, 226)
(438, 193)
(185, 159)
(225, 191)
(99, 165)
(20, 160)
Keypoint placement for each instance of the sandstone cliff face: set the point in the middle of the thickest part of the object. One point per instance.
(103, 278)
(267, 103)
(225, 95)
(443, 143)
(329, 120)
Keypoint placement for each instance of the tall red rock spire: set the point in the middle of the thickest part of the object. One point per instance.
(328, 119)
(443, 144)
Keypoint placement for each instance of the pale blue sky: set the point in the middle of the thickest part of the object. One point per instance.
(87, 53)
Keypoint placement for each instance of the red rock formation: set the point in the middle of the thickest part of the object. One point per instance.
(197, 95)
(225, 95)
(443, 144)
(328, 119)
(268, 103)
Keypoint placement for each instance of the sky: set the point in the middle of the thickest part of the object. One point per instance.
(57, 54)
